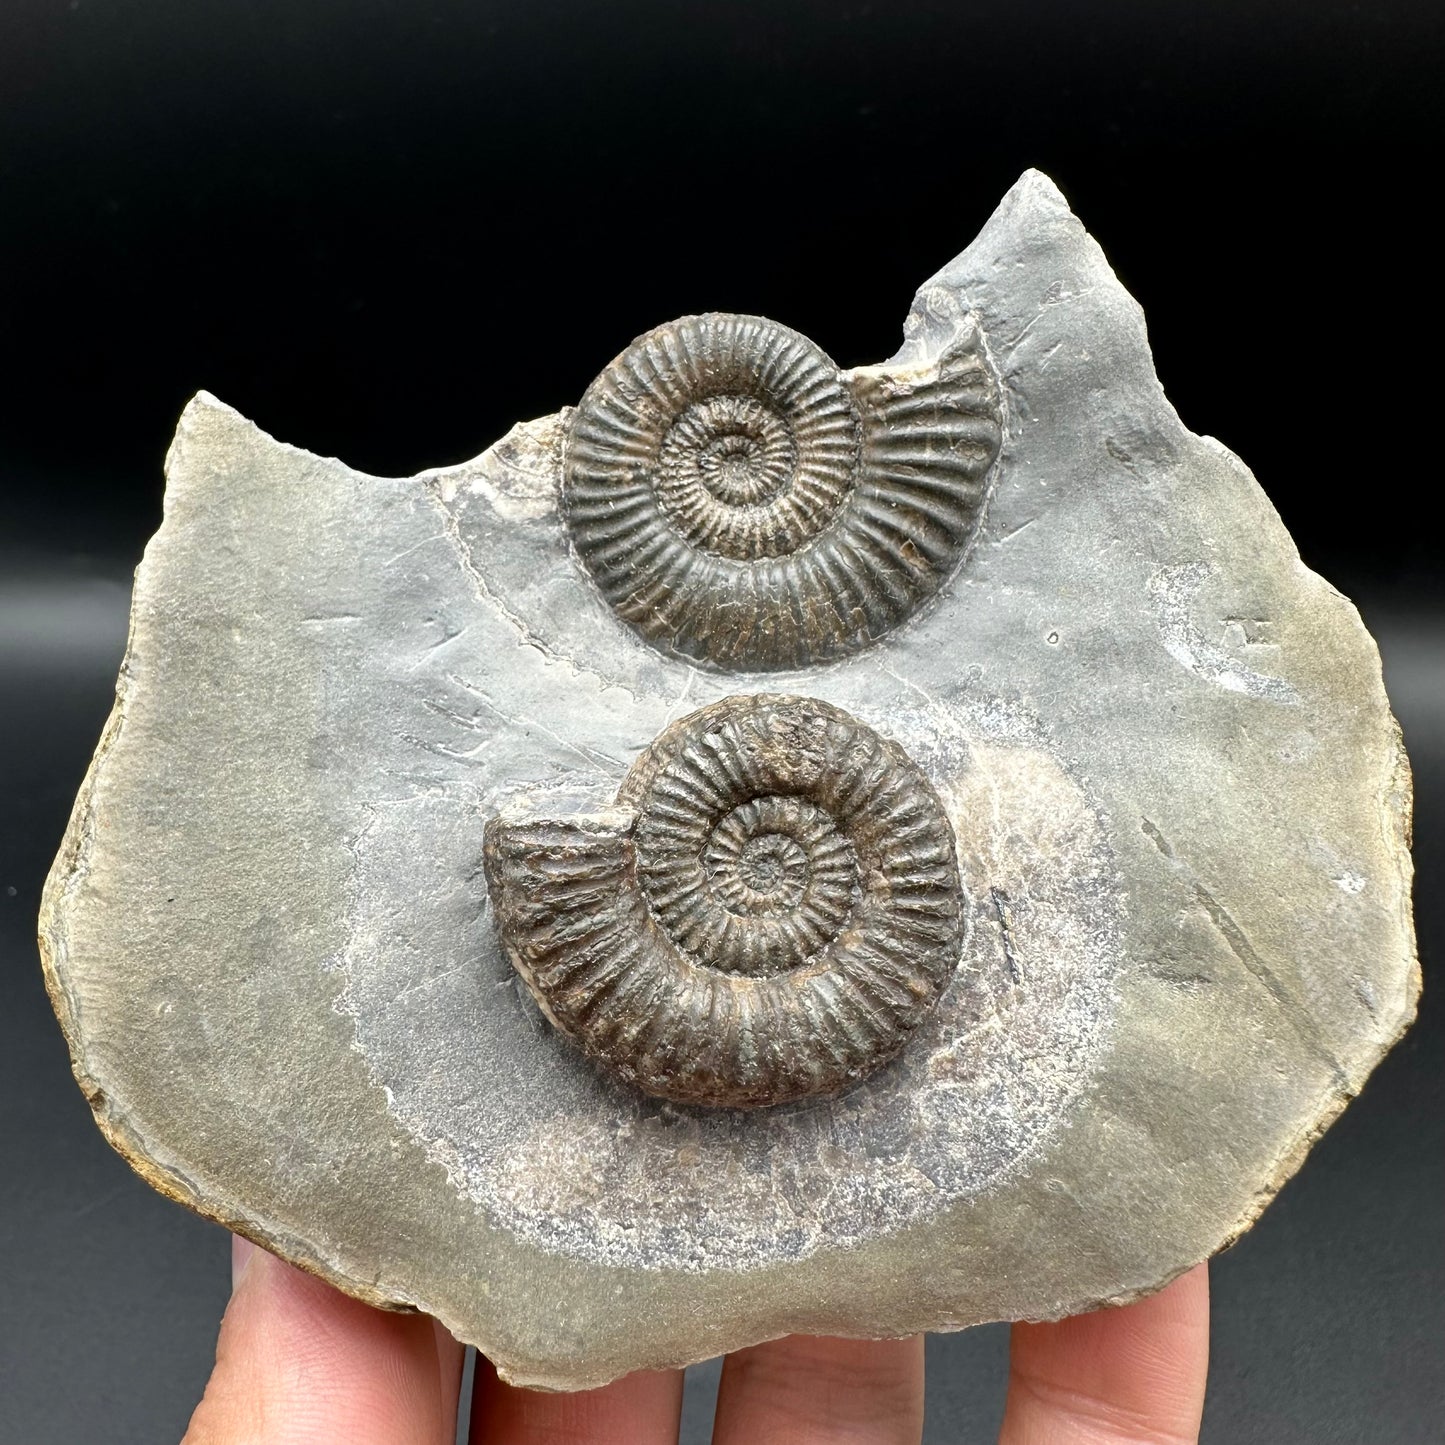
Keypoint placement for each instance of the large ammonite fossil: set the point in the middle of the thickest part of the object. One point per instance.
(767, 912)
(740, 501)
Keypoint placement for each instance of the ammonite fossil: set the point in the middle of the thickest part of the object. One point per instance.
(741, 501)
(768, 912)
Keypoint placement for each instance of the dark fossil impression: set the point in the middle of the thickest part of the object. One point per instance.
(742, 502)
(768, 912)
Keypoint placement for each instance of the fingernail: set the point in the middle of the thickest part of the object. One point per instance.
(241, 1252)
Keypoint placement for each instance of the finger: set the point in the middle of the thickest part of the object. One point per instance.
(1134, 1374)
(451, 1357)
(300, 1363)
(639, 1409)
(805, 1390)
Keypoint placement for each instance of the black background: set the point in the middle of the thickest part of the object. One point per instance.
(386, 231)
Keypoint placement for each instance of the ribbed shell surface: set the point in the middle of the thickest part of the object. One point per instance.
(741, 502)
(775, 911)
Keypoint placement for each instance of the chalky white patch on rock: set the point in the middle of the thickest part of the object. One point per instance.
(1174, 589)
(549, 1146)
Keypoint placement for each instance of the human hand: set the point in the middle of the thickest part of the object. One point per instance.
(299, 1363)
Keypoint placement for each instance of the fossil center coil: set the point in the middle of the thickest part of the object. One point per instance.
(767, 912)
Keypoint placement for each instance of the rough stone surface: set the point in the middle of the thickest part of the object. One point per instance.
(1181, 810)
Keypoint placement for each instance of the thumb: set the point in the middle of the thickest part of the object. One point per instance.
(300, 1363)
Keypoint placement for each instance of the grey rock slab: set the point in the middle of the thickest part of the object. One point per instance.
(1179, 797)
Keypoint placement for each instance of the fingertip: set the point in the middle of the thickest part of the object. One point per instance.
(643, 1408)
(300, 1363)
(1136, 1372)
(810, 1388)
(241, 1251)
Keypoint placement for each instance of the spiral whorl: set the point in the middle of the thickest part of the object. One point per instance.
(740, 501)
(768, 912)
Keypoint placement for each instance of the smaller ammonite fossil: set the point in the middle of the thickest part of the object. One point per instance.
(767, 912)
(740, 501)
